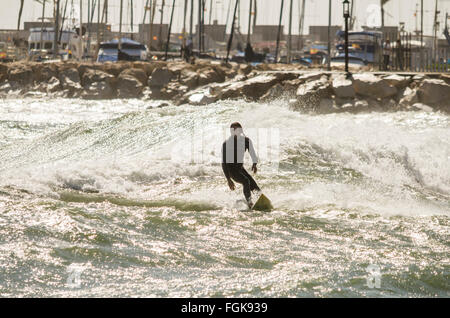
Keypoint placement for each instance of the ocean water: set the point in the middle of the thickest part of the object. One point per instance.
(117, 198)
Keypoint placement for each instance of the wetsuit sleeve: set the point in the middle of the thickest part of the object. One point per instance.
(224, 160)
(251, 150)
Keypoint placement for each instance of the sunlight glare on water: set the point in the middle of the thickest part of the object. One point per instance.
(102, 199)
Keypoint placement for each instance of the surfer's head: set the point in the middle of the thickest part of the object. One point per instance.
(236, 129)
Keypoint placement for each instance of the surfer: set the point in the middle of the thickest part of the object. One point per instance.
(233, 150)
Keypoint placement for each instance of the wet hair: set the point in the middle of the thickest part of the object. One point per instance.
(235, 125)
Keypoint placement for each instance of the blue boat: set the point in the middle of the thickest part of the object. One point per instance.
(363, 47)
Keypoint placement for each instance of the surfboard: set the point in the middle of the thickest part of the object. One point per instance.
(263, 204)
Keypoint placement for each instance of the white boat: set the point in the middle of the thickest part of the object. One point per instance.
(68, 43)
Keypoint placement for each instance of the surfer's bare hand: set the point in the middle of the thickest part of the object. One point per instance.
(231, 184)
(254, 169)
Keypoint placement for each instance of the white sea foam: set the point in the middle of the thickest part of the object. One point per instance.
(163, 152)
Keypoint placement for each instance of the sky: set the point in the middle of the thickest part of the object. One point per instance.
(316, 13)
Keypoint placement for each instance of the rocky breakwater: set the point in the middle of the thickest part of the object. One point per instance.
(328, 93)
(148, 80)
(206, 82)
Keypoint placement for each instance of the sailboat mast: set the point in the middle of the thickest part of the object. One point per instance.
(184, 23)
(106, 11)
(230, 40)
(151, 18)
(119, 46)
(279, 31)
(81, 31)
(254, 18)
(290, 34)
(329, 37)
(170, 28)
(160, 26)
(89, 27)
(203, 24)
(435, 30)
(191, 20)
(226, 20)
(199, 26)
(55, 35)
(42, 25)
(249, 22)
(62, 22)
(352, 18)
(210, 11)
(98, 30)
(300, 25)
(131, 19)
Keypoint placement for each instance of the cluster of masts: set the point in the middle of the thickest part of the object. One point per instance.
(60, 17)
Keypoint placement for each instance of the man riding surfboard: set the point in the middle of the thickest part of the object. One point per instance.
(233, 150)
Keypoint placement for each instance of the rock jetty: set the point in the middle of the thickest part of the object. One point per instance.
(206, 82)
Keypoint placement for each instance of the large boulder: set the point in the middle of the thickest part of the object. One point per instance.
(286, 90)
(43, 72)
(397, 80)
(310, 76)
(113, 68)
(245, 69)
(128, 86)
(386, 104)
(137, 73)
(435, 92)
(69, 74)
(53, 85)
(221, 72)
(91, 76)
(445, 77)
(408, 97)
(86, 66)
(276, 91)
(98, 90)
(200, 97)
(173, 90)
(210, 75)
(3, 72)
(21, 74)
(369, 85)
(343, 87)
(252, 88)
(177, 68)
(147, 67)
(189, 78)
(98, 84)
(70, 81)
(310, 94)
(160, 77)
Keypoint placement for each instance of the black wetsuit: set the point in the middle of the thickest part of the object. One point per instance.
(232, 162)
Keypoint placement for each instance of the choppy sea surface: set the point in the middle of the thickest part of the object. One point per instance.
(118, 198)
